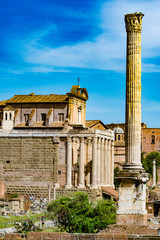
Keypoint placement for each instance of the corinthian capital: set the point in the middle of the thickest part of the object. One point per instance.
(133, 21)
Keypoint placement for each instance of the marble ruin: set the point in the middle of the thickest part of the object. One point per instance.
(45, 141)
(132, 191)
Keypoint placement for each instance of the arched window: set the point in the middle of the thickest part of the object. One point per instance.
(10, 116)
(5, 116)
(119, 137)
(153, 139)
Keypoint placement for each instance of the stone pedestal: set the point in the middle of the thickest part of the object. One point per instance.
(132, 197)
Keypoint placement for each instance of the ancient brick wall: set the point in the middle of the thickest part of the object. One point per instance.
(69, 236)
(150, 140)
(29, 160)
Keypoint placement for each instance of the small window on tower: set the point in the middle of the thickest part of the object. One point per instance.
(153, 139)
(61, 117)
(26, 119)
(10, 116)
(5, 116)
(43, 118)
(119, 137)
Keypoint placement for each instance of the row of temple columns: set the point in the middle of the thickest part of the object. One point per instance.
(100, 153)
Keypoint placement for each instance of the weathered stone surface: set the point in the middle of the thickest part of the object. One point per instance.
(28, 160)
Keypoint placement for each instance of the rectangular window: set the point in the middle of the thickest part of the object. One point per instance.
(43, 118)
(61, 117)
(26, 119)
(118, 137)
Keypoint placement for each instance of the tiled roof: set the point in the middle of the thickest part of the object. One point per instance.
(38, 98)
(40, 124)
(3, 103)
(111, 192)
(91, 123)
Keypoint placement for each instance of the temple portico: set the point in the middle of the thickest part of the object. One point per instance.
(90, 160)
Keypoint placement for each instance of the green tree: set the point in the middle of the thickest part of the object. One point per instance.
(116, 181)
(148, 161)
(76, 214)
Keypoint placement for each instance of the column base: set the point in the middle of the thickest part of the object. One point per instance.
(81, 186)
(132, 167)
(93, 187)
(68, 186)
(131, 219)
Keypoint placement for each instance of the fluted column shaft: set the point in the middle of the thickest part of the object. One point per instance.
(94, 161)
(133, 90)
(88, 165)
(109, 163)
(81, 164)
(102, 163)
(112, 163)
(98, 161)
(105, 162)
(69, 163)
(154, 173)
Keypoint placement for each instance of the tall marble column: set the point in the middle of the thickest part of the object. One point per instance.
(81, 164)
(154, 173)
(132, 190)
(112, 164)
(105, 162)
(94, 161)
(102, 163)
(109, 163)
(98, 161)
(133, 91)
(69, 163)
(88, 165)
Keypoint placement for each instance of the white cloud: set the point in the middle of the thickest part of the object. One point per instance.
(106, 51)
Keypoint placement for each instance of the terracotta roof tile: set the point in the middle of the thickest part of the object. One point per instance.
(40, 124)
(38, 98)
(91, 123)
(110, 191)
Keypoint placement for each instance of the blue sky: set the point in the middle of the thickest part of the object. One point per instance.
(45, 45)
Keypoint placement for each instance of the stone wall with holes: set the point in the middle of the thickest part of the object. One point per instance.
(32, 160)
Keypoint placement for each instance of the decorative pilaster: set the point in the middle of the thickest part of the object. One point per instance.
(94, 161)
(69, 163)
(56, 141)
(81, 164)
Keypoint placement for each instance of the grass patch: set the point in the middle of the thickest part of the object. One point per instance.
(9, 221)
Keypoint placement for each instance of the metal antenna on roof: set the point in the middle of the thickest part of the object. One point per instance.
(78, 81)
